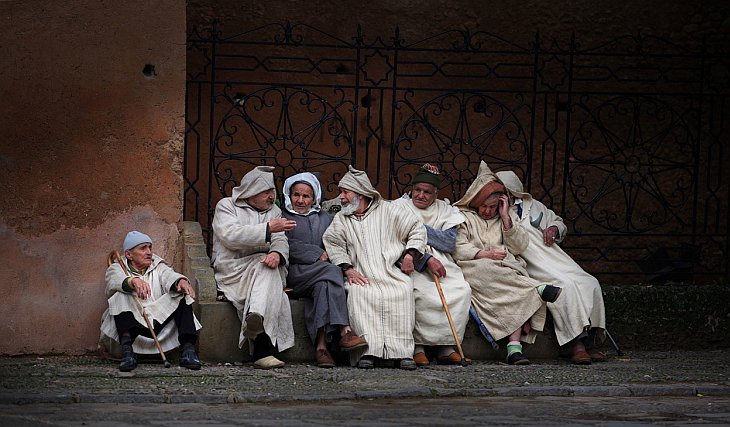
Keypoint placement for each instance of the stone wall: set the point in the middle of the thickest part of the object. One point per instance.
(92, 117)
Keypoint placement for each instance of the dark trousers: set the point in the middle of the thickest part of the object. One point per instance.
(182, 316)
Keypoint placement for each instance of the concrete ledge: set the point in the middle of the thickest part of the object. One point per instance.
(221, 326)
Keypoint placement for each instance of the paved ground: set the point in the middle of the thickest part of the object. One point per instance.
(668, 388)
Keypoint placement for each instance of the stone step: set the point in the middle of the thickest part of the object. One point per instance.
(221, 327)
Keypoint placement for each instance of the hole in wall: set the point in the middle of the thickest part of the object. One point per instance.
(149, 71)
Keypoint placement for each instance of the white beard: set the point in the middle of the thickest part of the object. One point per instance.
(351, 208)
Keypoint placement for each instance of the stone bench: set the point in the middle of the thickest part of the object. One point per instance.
(221, 326)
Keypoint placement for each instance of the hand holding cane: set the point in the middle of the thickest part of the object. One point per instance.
(451, 321)
(142, 309)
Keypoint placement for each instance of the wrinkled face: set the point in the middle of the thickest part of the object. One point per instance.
(490, 208)
(424, 194)
(140, 256)
(302, 197)
(351, 202)
(263, 200)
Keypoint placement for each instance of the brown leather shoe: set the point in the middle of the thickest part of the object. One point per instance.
(350, 341)
(581, 358)
(597, 356)
(421, 359)
(324, 359)
(452, 359)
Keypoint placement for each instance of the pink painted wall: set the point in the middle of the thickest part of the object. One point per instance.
(90, 148)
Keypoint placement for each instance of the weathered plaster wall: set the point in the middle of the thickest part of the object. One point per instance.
(91, 147)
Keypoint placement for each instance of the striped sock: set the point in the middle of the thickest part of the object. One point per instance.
(514, 347)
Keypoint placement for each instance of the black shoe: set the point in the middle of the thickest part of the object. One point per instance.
(551, 293)
(517, 358)
(129, 359)
(188, 358)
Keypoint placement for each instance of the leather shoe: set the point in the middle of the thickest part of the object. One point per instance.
(129, 359)
(189, 359)
(407, 364)
(324, 359)
(350, 341)
(253, 326)
(581, 357)
(421, 359)
(597, 356)
(517, 358)
(452, 359)
(268, 362)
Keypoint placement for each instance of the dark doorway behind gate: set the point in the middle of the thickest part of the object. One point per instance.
(625, 139)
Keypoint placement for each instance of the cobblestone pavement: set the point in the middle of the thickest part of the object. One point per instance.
(668, 388)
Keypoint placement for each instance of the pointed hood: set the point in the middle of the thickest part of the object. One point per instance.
(358, 181)
(513, 184)
(484, 184)
(254, 182)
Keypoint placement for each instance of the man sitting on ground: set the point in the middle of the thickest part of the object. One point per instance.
(143, 281)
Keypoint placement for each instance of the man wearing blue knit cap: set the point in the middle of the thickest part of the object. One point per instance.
(144, 281)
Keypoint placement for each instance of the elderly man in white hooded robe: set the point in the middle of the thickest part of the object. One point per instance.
(250, 252)
(546, 261)
(440, 220)
(488, 245)
(369, 239)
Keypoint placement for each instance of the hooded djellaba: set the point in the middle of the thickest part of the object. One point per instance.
(503, 295)
(241, 240)
(373, 243)
(581, 297)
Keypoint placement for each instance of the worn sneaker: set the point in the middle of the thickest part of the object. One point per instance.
(350, 341)
(407, 364)
(551, 293)
(517, 358)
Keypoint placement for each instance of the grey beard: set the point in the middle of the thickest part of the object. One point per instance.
(350, 209)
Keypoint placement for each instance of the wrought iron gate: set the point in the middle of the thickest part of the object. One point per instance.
(625, 140)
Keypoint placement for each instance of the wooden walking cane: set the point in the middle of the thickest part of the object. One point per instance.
(451, 321)
(141, 308)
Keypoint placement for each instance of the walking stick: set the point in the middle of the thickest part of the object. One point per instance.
(451, 321)
(141, 308)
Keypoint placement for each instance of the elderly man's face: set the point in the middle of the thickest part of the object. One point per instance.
(263, 200)
(424, 194)
(140, 256)
(489, 208)
(302, 197)
(351, 201)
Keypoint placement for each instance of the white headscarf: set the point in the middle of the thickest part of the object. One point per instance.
(309, 179)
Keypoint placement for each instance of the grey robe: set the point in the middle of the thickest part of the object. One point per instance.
(318, 282)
